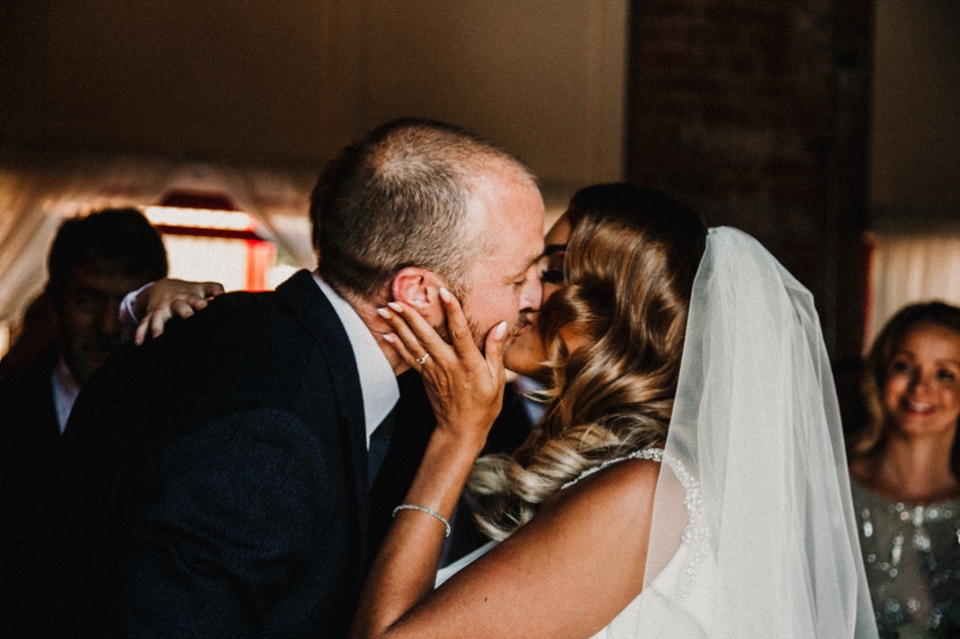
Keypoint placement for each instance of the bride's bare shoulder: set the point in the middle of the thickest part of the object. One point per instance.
(627, 485)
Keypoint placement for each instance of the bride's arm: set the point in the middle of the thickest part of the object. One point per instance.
(565, 574)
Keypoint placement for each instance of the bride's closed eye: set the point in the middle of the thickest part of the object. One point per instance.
(550, 266)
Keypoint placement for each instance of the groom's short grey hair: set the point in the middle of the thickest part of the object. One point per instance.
(399, 198)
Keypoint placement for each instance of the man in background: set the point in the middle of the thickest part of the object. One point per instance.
(95, 260)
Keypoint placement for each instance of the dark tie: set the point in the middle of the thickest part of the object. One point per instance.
(379, 443)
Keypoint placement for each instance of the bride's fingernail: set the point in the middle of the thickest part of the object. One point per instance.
(395, 306)
(444, 294)
(501, 330)
(384, 313)
(388, 337)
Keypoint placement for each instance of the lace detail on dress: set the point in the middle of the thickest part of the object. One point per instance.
(653, 454)
(695, 532)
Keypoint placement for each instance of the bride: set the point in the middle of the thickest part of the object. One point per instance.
(688, 478)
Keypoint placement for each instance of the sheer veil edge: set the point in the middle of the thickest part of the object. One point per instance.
(754, 481)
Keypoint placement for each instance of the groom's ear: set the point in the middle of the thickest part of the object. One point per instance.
(419, 288)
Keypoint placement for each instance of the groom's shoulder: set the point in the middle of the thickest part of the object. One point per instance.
(238, 335)
(297, 307)
(234, 322)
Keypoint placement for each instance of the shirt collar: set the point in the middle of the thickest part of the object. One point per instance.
(65, 391)
(377, 381)
(533, 407)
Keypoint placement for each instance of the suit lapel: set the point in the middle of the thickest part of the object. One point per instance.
(414, 423)
(302, 295)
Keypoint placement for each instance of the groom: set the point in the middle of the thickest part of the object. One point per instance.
(215, 481)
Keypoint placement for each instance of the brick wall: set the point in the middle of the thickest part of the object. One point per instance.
(755, 113)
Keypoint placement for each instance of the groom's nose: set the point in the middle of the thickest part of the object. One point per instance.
(531, 295)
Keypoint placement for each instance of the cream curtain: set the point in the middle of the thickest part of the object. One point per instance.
(36, 195)
(910, 268)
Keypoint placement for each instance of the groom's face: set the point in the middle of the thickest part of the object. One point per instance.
(503, 284)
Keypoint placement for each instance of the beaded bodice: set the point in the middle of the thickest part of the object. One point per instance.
(912, 559)
(653, 454)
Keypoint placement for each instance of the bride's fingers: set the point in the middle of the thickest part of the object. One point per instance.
(493, 347)
(462, 336)
(457, 325)
(419, 336)
(404, 335)
(401, 348)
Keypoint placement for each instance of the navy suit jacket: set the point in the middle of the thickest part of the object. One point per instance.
(29, 435)
(214, 481)
(415, 424)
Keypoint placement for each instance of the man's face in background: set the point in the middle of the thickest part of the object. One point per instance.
(90, 317)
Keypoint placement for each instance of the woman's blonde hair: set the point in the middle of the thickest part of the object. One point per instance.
(871, 439)
(631, 260)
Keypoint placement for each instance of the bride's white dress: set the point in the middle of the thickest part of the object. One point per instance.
(653, 602)
(682, 573)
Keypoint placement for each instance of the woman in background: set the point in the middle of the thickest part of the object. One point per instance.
(905, 467)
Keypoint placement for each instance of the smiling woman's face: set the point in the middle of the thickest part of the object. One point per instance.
(922, 389)
(525, 352)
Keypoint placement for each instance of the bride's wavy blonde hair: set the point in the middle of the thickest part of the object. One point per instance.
(631, 260)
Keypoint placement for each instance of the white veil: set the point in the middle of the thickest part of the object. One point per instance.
(755, 475)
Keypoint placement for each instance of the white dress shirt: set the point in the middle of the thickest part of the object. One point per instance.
(378, 383)
(65, 391)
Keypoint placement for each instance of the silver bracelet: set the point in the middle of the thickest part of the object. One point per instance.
(424, 509)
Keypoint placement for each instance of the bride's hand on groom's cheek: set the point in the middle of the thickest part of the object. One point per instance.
(465, 385)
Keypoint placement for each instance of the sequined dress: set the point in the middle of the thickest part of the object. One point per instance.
(912, 558)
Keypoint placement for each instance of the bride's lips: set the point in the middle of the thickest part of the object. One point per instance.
(524, 327)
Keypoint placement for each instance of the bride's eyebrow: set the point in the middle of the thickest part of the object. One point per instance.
(554, 248)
